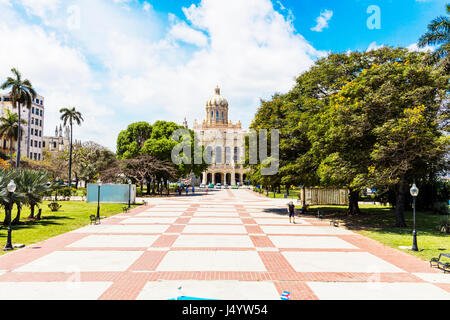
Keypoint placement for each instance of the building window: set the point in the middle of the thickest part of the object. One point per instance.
(35, 143)
(43, 144)
(40, 123)
(54, 145)
(42, 102)
(39, 157)
(39, 144)
(32, 110)
(222, 115)
(32, 120)
(218, 155)
(236, 154)
(227, 155)
(31, 143)
(217, 115)
(40, 112)
(40, 133)
(35, 156)
(32, 130)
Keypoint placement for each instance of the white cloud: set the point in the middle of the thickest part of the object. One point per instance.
(127, 65)
(181, 31)
(322, 20)
(373, 46)
(414, 47)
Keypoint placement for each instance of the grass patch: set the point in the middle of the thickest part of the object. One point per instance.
(71, 216)
(377, 222)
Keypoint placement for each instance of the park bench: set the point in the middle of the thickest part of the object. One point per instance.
(436, 262)
(94, 219)
(125, 209)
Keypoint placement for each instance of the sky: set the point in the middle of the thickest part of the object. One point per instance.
(122, 61)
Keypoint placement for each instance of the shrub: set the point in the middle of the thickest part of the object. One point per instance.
(54, 206)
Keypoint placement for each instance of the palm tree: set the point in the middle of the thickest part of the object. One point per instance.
(9, 129)
(438, 34)
(22, 92)
(33, 185)
(70, 115)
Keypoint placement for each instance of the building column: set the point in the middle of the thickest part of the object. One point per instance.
(204, 178)
(213, 178)
(233, 178)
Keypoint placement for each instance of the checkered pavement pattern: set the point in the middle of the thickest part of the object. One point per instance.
(227, 244)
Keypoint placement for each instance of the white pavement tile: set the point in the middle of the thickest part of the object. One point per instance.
(377, 291)
(161, 209)
(157, 220)
(216, 214)
(266, 215)
(82, 261)
(114, 241)
(159, 214)
(218, 208)
(315, 242)
(52, 290)
(123, 229)
(213, 241)
(215, 220)
(338, 262)
(211, 261)
(219, 289)
(281, 221)
(304, 229)
(214, 229)
(434, 277)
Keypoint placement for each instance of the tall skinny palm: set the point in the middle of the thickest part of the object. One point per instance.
(438, 34)
(22, 93)
(70, 116)
(9, 129)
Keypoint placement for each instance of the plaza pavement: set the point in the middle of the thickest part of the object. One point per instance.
(227, 244)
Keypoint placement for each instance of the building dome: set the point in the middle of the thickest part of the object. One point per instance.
(217, 100)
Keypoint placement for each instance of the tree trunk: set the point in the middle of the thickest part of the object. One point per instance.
(287, 190)
(31, 216)
(16, 220)
(400, 196)
(70, 156)
(148, 187)
(303, 196)
(11, 152)
(353, 207)
(19, 135)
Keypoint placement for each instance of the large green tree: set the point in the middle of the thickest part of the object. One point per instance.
(22, 93)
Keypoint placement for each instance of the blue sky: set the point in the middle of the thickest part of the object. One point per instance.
(121, 61)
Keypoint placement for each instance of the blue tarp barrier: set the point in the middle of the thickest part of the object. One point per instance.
(111, 193)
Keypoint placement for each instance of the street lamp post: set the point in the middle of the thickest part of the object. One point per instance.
(414, 192)
(129, 193)
(11, 187)
(99, 182)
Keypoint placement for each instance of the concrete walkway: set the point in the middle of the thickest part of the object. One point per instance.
(227, 244)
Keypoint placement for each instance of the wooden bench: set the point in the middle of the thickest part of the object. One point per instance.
(436, 262)
(125, 209)
(319, 214)
(94, 219)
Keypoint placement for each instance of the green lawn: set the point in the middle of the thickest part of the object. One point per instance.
(71, 216)
(377, 222)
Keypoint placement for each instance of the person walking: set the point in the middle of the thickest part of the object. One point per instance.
(291, 211)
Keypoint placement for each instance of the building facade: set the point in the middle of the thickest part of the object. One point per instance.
(224, 143)
(59, 142)
(32, 134)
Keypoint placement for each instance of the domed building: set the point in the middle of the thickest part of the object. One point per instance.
(224, 143)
